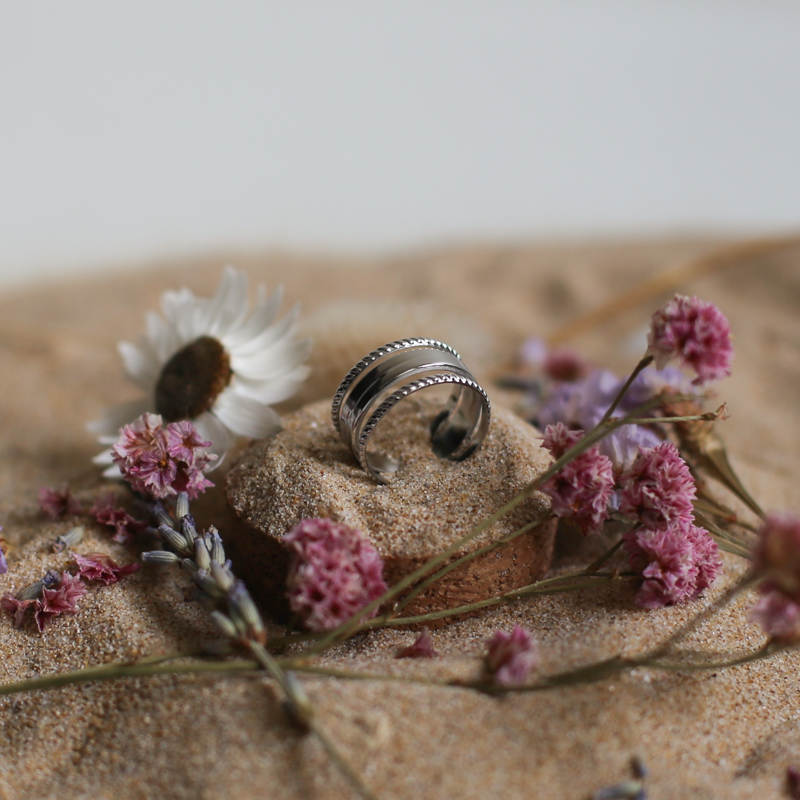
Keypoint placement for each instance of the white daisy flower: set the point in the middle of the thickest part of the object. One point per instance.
(205, 360)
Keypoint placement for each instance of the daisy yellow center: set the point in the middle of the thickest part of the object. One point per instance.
(192, 380)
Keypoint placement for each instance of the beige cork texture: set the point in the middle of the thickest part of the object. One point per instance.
(306, 471)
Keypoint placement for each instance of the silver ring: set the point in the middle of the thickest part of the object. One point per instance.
(392, 372)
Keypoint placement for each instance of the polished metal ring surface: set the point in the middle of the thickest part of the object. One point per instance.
(392, 372)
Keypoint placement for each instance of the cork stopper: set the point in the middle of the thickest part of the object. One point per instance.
(306, 471)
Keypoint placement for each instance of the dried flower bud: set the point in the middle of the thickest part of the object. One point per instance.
(69, 539)
(174, 540)
(162, 515)
(777, 553)
(224, 624)
(239, 598)
(223, 577)
(217, 548)
(160, 557)
(189, 529)
(201, 555)
(182, 505)
(421, 648)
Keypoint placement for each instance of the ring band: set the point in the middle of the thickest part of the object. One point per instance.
(392, 372)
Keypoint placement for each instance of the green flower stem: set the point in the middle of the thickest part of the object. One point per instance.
(346, 629)
(554, 585)
(465, 558)
(645, 362)
(726, 540)
(708, 416)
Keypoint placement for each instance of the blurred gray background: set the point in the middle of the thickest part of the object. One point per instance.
(144, 129)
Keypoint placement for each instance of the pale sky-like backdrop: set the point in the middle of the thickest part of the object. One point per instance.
(142, 129)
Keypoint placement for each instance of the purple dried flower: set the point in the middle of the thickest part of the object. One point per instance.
(581, 491)
(55, 502)
(777, 554)
(161, 461)
(658, 488)
(697, 333)
(511, 656)
(101, 567)
(335, 572)
(793, 782)
(3, 546)
(61, 600)
(622, 445)
(421, 648)
(778, 615)
(677, 562)
(125, 526)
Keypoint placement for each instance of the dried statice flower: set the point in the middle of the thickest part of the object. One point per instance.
(658, 488)
(106, 512)
(776, 556)
(3, 547)
(564, 364)
(422, 647)
(209, 361)
(63, 599)
(511, 656)
(58, 502)
(161, 461)
(335, 572)
(695, 332)
(27, 597)
(582, 490)
(677, 562)
(101, 567)
(778, 616)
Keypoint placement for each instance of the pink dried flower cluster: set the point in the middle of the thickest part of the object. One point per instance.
(58, 502)
(582, 490)
(59, 595)
(161, 461)
(511, 656)
(776, 559)
(3, 546)
(658, 488)
(335, 572)
(677, 559)
(696, 333)
(677, 563)
(103, 568)
(106, 512)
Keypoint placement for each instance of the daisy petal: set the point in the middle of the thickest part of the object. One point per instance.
(264, 313)
(274, 391)
(140, 364)
(273, 363)
(116, 416)
(246, 416)
(214, 431)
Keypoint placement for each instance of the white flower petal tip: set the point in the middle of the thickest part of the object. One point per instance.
(215, 362)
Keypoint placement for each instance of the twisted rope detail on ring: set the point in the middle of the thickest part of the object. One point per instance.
(400, 394)
(368, 359)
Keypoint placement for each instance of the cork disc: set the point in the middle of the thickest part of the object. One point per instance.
(307, 471)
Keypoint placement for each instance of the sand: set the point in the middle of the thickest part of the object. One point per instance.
(705, 735)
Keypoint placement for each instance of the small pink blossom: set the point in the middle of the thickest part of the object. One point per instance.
(422, 647)
(778, 615)
(581, 491)
(335, 572)
(511, 656)
(61, 600)
(677, 562)
(658, 488)
(777, 553)
(125, 526)
(696, 333)
(101, 567)
(55, 502)
(162, 461)
(16, 607)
